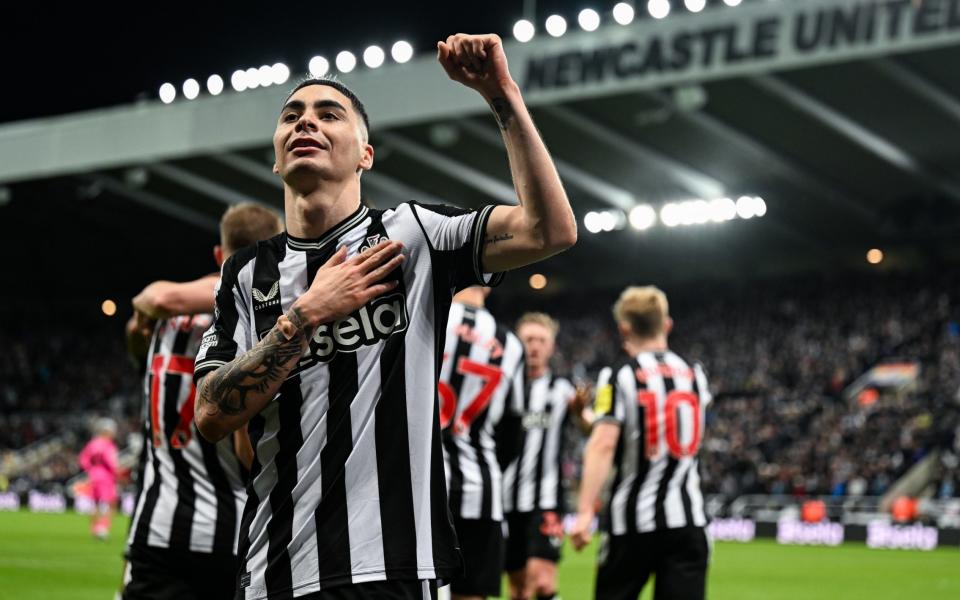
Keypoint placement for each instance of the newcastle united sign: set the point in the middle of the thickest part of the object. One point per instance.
(722, 42)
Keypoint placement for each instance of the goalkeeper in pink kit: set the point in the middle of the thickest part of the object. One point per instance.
(99, 460)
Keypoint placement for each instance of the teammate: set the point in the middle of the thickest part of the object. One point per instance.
(99, 459)
(481, 381)
(183, 536)
(336, 368)
(649, 422)
(533, 484)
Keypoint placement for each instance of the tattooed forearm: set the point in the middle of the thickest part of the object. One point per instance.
(258, 372)
(503, 237)
(502, 111)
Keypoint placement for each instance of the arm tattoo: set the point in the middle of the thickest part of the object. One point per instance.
(226, 389)
(502, 111)
(503, 237)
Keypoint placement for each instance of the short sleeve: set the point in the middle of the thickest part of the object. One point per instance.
(456, 236)
(607, 405)
(229, 336)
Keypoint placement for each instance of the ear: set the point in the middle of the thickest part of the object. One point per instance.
(276, 169)
(366, 158)
(218, 255)
(667, 326)
(624, 328)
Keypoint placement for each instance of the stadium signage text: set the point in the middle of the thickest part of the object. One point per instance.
(733, 530)
(717, 43)
(913, 537)
(9, 501)
(40, 502)
(813, 534)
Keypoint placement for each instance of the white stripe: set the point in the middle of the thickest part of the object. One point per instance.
(263, 484)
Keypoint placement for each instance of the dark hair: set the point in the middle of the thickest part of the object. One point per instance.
(337, 85)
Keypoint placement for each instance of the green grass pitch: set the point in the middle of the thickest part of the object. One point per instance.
(53, 557)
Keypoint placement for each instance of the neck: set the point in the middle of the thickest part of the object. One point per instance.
(311, 213)
(635, 345)
(536, 372)
(472, 296)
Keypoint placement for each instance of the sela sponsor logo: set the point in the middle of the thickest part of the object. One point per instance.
(40, 502)
(536, 420)
(811, 534)
(9, 501)
(733, 530)
(373, 323)
(883, 535)
(271, 298)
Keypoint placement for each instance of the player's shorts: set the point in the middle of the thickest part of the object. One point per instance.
(104, 492)
(481, 542)
(536, 534)
(162, 574)
(678, 558)
(425, 589)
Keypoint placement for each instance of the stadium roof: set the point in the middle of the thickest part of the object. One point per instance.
(851, 138)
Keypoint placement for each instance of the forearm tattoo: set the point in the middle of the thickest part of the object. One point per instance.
(502, 111)
(227, 389)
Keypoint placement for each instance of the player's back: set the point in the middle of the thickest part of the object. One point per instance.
(481, 378)
(659, 401)
(192, 490)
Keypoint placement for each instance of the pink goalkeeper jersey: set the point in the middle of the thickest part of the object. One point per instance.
(99, 460)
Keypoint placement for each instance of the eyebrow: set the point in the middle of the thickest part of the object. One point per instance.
(299, 105)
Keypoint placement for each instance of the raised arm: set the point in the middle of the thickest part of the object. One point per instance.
(230, 396)
(543, 224)
(164, 299)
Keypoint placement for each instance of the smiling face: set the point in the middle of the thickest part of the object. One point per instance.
(320, 136)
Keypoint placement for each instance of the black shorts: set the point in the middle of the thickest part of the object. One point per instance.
(677, 557)
(162, 574)
(425, 589)
(481, 542)
(528, 536)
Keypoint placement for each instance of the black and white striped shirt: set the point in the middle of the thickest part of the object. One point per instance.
(533, 481)
(347, 484)
(659, 402)
(481, 378)
(191, 490)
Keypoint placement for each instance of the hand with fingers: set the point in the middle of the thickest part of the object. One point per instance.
(342, 286)
(476, 61)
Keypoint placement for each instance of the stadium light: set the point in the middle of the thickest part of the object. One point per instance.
(346, 61)
(658, 9)
(670, 214)
(732, 2)
(109, 307)
(238, 81)
(214, 85)
(593, 222)
(401, 51)
(373, 56)
(191, 89)
(588, 19)
(167, 93)
(695, 6)
(253, 78)
(265, 75)
(608, 221)
(722, 209)
(623, 13)
(759, 206)
(319, 66)
(746, 207)
(642, 217)
(875, 256)
(280, 72)
(538, 281)
(523, 31)
(556, 25)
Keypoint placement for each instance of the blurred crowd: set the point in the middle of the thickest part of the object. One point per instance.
(781, 356)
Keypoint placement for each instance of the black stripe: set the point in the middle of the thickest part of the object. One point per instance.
(226, 520)
(478, 427)
(331, 516)
(152, 494)
(255, 431)
(279, 577)
(684, 495)
(469, 320)
(561, 425)
(541, 452)
(182, 526)
(391, 436)
(664, 486)
(643, 464)
(517, 481)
